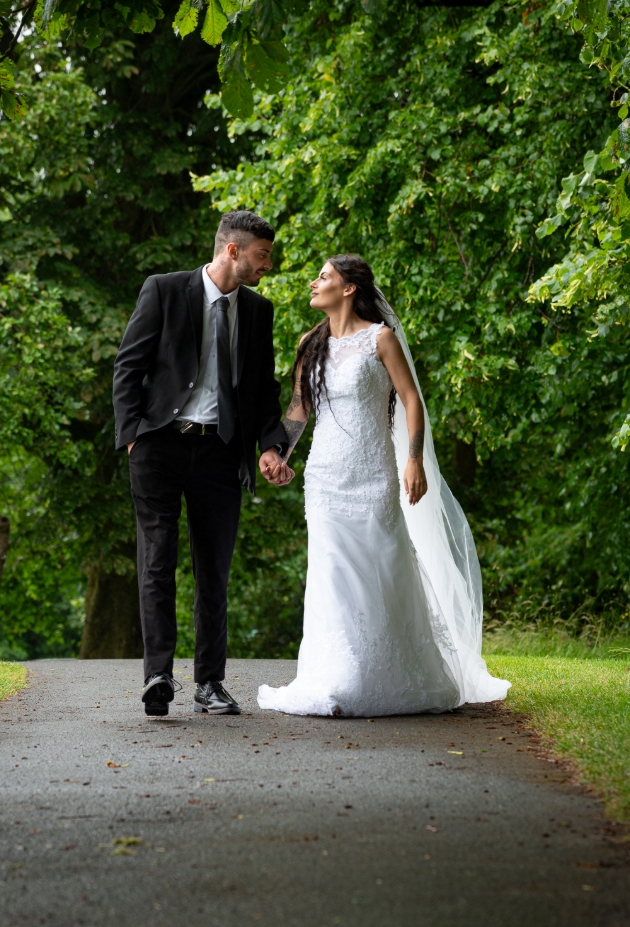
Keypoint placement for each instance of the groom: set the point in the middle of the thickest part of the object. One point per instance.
(194, 390)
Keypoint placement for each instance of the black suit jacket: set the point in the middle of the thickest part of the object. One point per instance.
(158, 359)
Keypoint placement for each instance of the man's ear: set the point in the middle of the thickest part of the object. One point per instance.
(232, 250)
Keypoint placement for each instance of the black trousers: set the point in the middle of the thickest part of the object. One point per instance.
(164, 465)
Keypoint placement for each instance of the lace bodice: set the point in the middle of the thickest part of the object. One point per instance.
(352, 465)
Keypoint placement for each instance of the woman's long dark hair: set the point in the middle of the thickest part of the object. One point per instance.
(313, 350)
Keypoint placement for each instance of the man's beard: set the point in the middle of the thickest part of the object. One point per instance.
(247, 273)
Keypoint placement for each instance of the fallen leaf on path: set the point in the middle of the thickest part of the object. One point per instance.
(112, 764)
(456, 752)
(431, 828)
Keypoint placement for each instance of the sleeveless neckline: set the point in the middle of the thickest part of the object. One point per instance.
(356, 335)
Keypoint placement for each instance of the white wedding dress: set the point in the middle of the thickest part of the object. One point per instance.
(376, 638)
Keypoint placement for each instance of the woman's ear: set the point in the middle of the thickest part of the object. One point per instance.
(350, 289)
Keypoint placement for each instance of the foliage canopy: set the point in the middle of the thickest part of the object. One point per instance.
(431, 140)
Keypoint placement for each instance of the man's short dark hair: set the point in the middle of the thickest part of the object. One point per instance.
(240, 226)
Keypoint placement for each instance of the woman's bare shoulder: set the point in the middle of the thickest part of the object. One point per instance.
(387, 337)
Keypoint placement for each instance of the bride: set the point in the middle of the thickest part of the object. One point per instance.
(393, 605)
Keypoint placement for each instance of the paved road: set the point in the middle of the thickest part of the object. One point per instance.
(426, 821)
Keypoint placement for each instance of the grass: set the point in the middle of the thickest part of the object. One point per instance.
(554, 641)
(12, 678)
(577, 695)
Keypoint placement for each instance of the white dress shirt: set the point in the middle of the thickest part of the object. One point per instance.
(202, 405)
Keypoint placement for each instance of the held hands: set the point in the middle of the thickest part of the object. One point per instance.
(274, 468)
(415, 480)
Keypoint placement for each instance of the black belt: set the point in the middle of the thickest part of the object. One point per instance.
(194, 428)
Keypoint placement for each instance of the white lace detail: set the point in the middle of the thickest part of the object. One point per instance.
(379, 637)
(351, 467)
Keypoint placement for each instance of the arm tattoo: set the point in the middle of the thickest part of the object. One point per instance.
(292, 426)
(416, 444)
(294, 431)
(296, 401)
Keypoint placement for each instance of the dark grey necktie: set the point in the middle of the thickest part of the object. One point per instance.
(225, 398)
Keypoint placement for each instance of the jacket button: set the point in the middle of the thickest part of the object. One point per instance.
(190, 385)
(175, 411)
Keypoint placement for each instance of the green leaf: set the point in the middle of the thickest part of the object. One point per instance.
(276, 50)
(236, 93)
(231, 6)
(619, 199)
(269, 16)
(186, 19)
(549, 226)
(267, 74)
(622, 112)
(594, 13)
(214, 24)
(591, 160)
(559, 349)
(93, 32)
(13, 106)
(143, 22)
(7, 77)
(237, 97)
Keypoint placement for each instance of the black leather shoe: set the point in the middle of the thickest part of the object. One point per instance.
(158, 691)
(212, 697)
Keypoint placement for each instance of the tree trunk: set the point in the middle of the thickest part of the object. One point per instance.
(4, 541)
(465, 463)
(112, 616)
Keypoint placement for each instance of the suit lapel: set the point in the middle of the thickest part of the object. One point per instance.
(244, 311)
(194, 294)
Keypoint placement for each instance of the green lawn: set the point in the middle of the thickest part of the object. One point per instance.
(581, 706)
(12, 678)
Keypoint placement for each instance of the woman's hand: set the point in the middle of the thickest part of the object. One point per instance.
(415, 480)
(274, 468)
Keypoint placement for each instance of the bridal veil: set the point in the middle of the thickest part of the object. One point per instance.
(446, 552)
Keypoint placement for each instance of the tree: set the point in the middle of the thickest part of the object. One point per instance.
(594, 208)
(249, 32)
(433, 141)
(96, 195)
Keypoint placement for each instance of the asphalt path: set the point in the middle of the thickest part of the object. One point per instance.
(454, 820)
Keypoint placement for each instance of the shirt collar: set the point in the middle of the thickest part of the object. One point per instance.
(213, 292)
